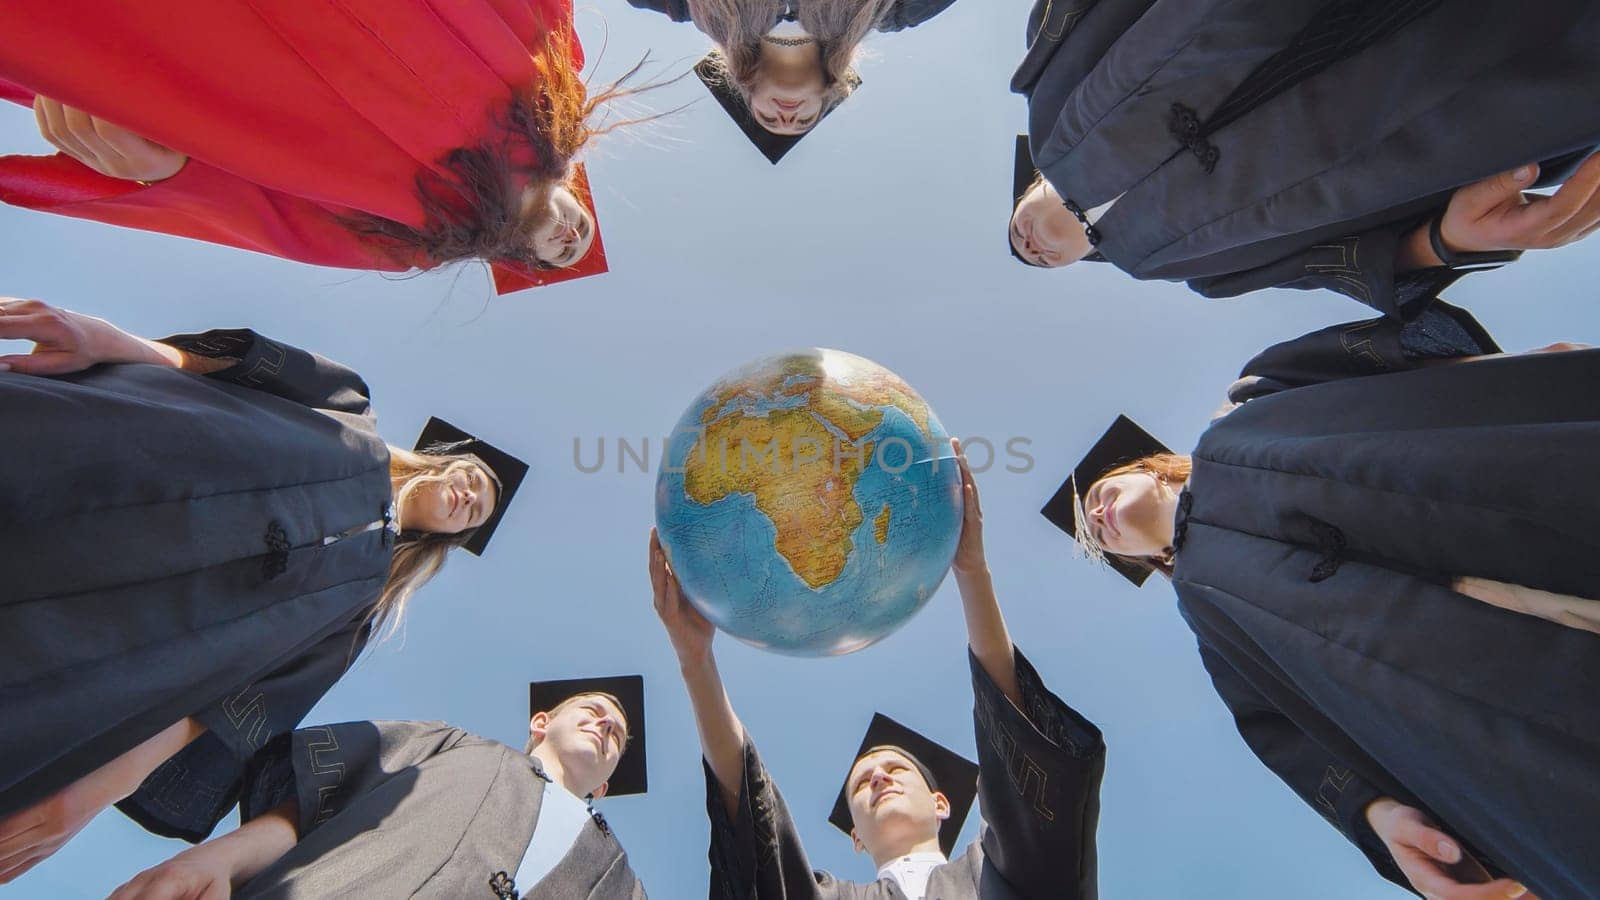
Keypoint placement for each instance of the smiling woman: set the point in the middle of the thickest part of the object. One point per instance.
(418, 133)
(781, 66)
(215, 507)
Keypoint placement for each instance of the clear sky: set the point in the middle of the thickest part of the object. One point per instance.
(881, 234)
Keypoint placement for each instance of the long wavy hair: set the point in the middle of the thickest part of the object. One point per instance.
(1171, 468)
(838, 25)
(476, 209)
(418, 556)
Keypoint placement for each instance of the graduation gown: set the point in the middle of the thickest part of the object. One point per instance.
(296, 114)
(181, 545)
(1038, 787)
(417, 809)
(1259, 143)
(1316, 543)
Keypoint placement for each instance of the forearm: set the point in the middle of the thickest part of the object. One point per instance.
(986, 631)
(260, 842)
(1416, 251)
(721, 732)
(123, 775)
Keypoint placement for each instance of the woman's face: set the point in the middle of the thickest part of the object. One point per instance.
(787, 95)
(1044, 232)
(461, 499)
(1131, 514)
(567, 234)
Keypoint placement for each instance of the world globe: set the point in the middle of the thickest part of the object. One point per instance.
(809, 503)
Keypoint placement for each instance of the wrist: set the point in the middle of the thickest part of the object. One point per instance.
(695, 663)
(972, 575)
(1416, 251)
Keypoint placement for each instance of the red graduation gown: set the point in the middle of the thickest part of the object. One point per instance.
(294, 113)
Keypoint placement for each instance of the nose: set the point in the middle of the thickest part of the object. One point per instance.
(879, 778)
(571, 234)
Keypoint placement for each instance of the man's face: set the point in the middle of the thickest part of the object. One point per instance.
(891, 805)
(588, 734)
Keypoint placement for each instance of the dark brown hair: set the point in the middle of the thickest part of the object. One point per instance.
(475, 209)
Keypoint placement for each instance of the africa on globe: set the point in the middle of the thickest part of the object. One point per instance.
(809, 503)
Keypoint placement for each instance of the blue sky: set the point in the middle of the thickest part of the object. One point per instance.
(881, 234)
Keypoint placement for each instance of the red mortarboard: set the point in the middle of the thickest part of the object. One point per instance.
(509, 278)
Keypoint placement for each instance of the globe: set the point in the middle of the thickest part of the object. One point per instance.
(809, 503)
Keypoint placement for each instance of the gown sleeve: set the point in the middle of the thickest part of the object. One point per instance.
(911, 13)
(200, 202)
(677, 10)
(1359, 266)
(186, 796)
(325, 768)
(279, 369)
(1323, 782)
(1370, 347)
(757, 853)
(1039, 771)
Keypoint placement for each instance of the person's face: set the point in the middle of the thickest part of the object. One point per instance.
(568, 232)
(1131, 514)
(1044, 232)
(587, 736)
(461, 499)
(891, 805)
(787, 95)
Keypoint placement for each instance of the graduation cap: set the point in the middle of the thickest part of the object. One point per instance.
(440, 438)
(946, 771)
(713, 74)
(1023, 174)
(509, 278)
(628, 690)
(1123, 442)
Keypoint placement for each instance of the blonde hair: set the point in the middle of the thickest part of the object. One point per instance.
(839, 27)
(418, 556)
(554, 711)
(1170, 468)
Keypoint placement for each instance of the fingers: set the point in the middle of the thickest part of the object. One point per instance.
(1428, 840)
(1478, 198)
(973, 508)
(18, 837)
(11, 872)
(1555, 220)
(51, 119)
(658, 570)
(49, 362)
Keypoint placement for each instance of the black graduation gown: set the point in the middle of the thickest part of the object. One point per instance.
(904, 14)
(1312, 187)
(417, 809)
(1038, 787)
(165, 558)
(1316, 542)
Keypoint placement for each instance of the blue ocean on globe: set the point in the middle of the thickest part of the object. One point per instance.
(809, 503)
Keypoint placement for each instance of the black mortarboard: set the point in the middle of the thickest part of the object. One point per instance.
(711, 72)
(1023, 174)
(631, 774)
(946, 771)
(441, 438)
(1123, 442)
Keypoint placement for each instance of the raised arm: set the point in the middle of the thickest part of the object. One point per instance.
(212, 870)
(986, 626)
(31, 835)
(67, 341)
(721, 732)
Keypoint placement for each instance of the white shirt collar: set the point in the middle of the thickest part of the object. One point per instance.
(911, 872)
